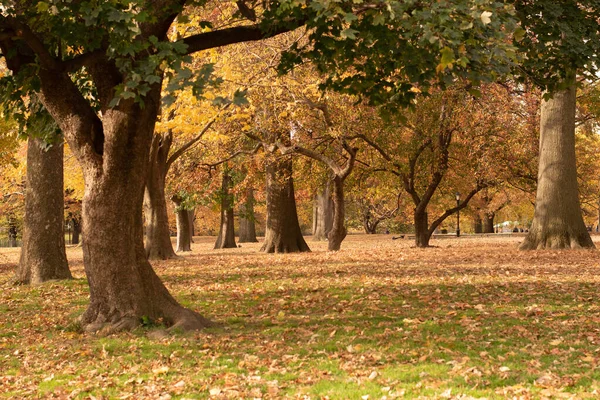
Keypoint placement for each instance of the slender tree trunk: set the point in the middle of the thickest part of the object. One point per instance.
(226, 238)
(283, 233)
(422, 235)
(369, 224)
(192, 217)
(158, 237)
(12, 233)
(557, 221)
(184, 242)
(247, 219)
(76, 222)
(338, 231)
(488, 222)
(43, 256)
(324, 213)
(477, 224)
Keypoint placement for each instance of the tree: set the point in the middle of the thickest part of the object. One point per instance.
(282, 231)
(558, 222)
(322, 212)
(559, 46)
(124, 58)
(43, 256)
(226, 238)
(247, 231)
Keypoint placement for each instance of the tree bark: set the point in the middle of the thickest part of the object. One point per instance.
(324, 214)
(338, 231)
(226, 238)
(158, 237)
(283, 233)
(43, 256)
(369, 223)
(422, 233)
(477, 224)
(247, 219)
(184, 241)
(488, 222)
(557, 221)
(192, 217)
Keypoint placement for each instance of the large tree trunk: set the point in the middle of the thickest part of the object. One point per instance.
(247, 219)
(338, 231)
(283, 233)
(124, 289)
(323, 214)
(43, 256)
(158, 237)
(226, 238)
(488, 222)
(557, 221)
(422, 234)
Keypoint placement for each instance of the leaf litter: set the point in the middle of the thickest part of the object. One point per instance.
(469, 319)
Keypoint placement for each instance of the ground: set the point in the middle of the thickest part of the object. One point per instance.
(471, 318)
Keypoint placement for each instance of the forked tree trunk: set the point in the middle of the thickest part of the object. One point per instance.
(226, 238)
(338, 231)
(158, 238)
(477, 224)
(323, 215)
(247, 219)
(369, 224)
(124, 289)
(422, 234)
(557, 221)
(283, 233)
(43, 256)
(488, 222)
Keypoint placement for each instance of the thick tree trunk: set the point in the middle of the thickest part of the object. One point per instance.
(226, 238)
(488, 222)
(477, 224)
(323, 214)
(557, 221)
(338, 231)
(247, 220)
(422, 234)
(124, 289)
(283, 233)
(43, 256)
(158, 237)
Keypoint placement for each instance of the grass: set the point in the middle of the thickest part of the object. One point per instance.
(472, 318)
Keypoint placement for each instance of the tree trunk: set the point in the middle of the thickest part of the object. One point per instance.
(184, 242)
(124, 289)
(488, 222)
(477, 224)
(76, 223)
(369, 224)
(12, 233)
(338, 231)
(192, 217)
(43, 256)
(283, 233)
(226, 238)
(422, 234)
(557, 221)
(158, 237)
(247, 219)
(323, 215)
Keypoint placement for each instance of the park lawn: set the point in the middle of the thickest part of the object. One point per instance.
(470, 318)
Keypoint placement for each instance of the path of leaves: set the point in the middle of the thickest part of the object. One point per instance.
(471, 318)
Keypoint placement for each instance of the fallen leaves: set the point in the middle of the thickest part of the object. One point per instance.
(378, 319)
